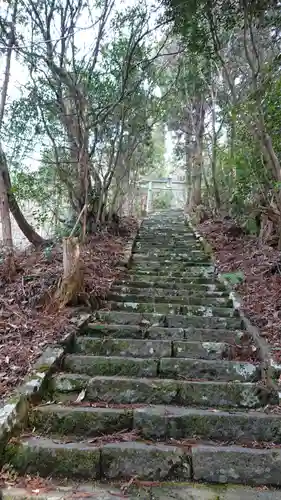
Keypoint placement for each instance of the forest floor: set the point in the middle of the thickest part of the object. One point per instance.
(26, 326)
(260, 266)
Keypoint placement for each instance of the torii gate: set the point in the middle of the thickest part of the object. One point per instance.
(177, 188)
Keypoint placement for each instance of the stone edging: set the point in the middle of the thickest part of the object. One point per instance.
(14, 410)
(271, 370)
(127, 254)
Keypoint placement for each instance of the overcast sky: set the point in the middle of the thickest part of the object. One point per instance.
(85, 39)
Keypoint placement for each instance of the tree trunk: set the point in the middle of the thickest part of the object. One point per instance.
(8, 248)
(214, 176)
(196, 176)
(25, 227)
(72, 280)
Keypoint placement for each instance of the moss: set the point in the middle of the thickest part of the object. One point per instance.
(81, 423)
(42, 368)
(67, 462)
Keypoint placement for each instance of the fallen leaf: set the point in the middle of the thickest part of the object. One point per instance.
(80, 396)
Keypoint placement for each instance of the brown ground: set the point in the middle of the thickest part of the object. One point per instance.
(261, 288)
(26, 328)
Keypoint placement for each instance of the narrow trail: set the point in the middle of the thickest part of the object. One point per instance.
(150, 389)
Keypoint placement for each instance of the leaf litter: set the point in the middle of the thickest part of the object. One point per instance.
(26, 328)
(260, 289)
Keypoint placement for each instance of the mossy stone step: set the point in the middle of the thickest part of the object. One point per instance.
(167, 247)
(200, 286)
(132, 331)
(192, 299)
(154, 292)
(79, 420)
(191, 369)
(125, 390)
(138, 348)
(196, 369)
(158, 422)
(171, 233)
(174, 308)
(235, 464)
(151, 348)
(183, 259)
(173, 267)
(190, 274)
(111, 366)
(83, 460)
(173, 422)
(167, 320)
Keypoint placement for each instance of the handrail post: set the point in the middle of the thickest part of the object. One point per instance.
(149, 197)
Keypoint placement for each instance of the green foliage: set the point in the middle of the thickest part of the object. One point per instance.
(162, 200)
(234, 278)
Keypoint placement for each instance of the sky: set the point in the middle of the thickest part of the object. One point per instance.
(85, 38)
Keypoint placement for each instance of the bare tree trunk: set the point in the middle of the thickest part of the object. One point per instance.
(71, 282)
(25, 227)
(8, 248)
(196, 176)
(7, 194)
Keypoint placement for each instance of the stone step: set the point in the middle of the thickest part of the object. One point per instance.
(158, 422)
(172, 307)
(156, 292)
(78, 420)
(110, 366)
(166, 247)
(172, 422)
(182, 259)
(199, 286)
(191, 299)
(171, 368)
(190, 274)
(143, 348)
(173, 268)
(167, 320)
(125, 390)
(134, 331)
(235, 464)
(160, 252)
(171, 233)
(87, 460)
(206, 369)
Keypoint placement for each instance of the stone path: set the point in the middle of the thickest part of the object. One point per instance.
(165, 492)
(162, 397)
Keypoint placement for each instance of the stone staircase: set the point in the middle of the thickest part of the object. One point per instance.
(152, 389)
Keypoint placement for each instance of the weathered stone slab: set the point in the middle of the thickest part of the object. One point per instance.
(170, 258)
(143, 254)
(147, 462)
(168, 269)
(131, 318)
(223, 394)
(164, 422)
(110, 366)
(193, 300)
(124, 347)
(233, 464)
(79, 420)
(182, 321)
(123, 390)
(44, 456)
(200, 350)
(68, 382)
(105, 330)
(209, 369)
(154, 291)
(172, 308)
